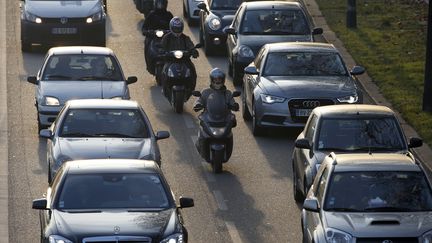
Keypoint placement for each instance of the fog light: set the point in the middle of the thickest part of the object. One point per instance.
(216, 41)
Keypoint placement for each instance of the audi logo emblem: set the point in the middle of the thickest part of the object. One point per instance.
(311, 103)
(116, 229)
(387, 241)
(63, 20)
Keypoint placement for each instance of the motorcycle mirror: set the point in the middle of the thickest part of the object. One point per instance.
(199, 45)
(236, 93)
(196, 93)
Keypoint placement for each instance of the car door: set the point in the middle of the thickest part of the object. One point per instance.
(252, 81)
(305, 157)
(46, 215)
(232, 39)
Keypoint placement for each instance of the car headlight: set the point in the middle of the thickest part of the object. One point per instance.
(245, 51)
(51, 101)
(337, 236)
(178, 54)
(214, 23)
(270, 99)
(175, 238)
(217, 131)
(32, 18)
(58, 239)
(349, 99)
(170, 73)
(426, 238)
(95, 17)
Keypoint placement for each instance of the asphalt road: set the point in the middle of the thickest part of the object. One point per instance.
(251, 201)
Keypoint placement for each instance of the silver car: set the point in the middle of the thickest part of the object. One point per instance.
(287, 80)
(100, 129)
(368, 198)
(77, 72)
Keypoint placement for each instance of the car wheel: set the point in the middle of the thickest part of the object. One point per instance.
(256, 129)
(237, 78)
(245, 111)
(298, 196)
(26, 47)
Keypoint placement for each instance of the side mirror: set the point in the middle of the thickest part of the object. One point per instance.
(162, 135)
(186, 202)
(202, 6)
(251, 70)
(46, 133)
(131, 80)
(196, 93)
(415, 142)
(230, 31)
(311, 204)
(32, 80)
(317, 31)
(40, 204)
(199, 45)
(357, 70)
(302, 143)
(236, 93)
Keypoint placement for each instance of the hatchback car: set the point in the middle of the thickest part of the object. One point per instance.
(98, 129)
(77, 72)
(56, 22)
(287, 80)
(262, 22)
(345, 129)
(368, 198)
(215, 15)
(111, 201)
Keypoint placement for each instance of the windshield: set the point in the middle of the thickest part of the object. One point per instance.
(274, 22)
(82, 67)
(104, 123)
(360, 134)
(378, 191)
(225, 4)
(113, 190)
(304, 64)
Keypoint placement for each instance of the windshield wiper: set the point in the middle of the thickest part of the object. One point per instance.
(96, 78)
(82, 210)
(117, 135)
(55, 76)
(342, 209)
(388, 209)
(77, 134)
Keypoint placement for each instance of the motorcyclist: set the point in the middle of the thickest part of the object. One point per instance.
(217, 90)
(157, 19)
(177, 40)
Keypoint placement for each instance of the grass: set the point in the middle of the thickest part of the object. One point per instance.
(390, 42)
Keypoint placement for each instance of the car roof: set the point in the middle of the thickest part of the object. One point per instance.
(349, 110)
(111, 166)
(258, 5)
(374, 162)
(300, 46)
(65, 50)
(102, 104)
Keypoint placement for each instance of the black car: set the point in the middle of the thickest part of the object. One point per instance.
(215, 15)
(111, 201)
(62, 22)
(262, 22)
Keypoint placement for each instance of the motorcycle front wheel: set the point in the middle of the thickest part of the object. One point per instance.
(217, 161)
(177, 100)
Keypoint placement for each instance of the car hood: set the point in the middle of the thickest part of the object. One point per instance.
(255, 42)
(98, 148)
(58, 9)
(67, 90)
(81, 225)
(380, 224)
(308, 87)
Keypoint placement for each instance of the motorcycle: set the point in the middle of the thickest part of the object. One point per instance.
(216, 123)
(176, 72)
(154, 49)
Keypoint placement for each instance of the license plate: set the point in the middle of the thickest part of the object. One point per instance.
(303, 112)
(64, 31)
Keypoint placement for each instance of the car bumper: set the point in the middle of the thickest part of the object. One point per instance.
(48, 114)
(79, 33)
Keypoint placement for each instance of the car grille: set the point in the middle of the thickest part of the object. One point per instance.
(68, 20)
(305, 104)
(387, 240)
(117, 239)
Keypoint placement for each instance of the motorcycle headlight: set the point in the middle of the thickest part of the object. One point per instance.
(214, 23)
(349, 99)
(178, 54)
(32, 18)
(51, 101)
(175, 238)
(245, 51)
(337, 236)
(170, 73)
(95, 17)
(426, 238)
(217, 131)
(159, 33)
(270, 99)
(58, 239)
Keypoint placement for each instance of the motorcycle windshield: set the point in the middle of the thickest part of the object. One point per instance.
(217, 108)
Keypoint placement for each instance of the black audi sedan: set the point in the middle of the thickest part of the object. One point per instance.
(53, 22)
(111, 201)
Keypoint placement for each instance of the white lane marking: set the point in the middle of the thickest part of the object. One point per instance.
(220, 200)
(232, 230)
(189, 121)
(4, 213)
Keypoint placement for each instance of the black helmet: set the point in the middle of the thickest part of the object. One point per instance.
(160, 4)
(217, 78)
(176, 25)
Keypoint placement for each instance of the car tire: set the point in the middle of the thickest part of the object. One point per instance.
(237, 79)
(298, 195)
(256, 129)
(26, 47)
(245, 111)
